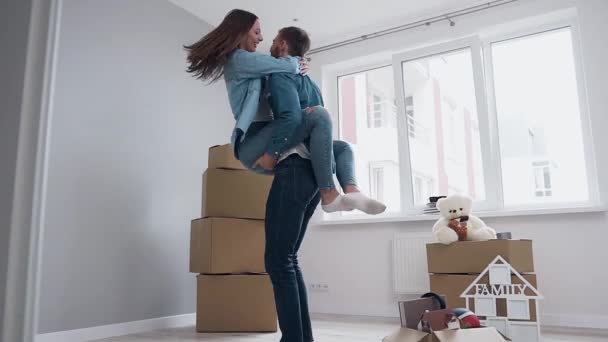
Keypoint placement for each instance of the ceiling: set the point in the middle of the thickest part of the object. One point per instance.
(326, 21)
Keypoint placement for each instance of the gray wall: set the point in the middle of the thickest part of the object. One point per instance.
(129, 141)
(14, 24)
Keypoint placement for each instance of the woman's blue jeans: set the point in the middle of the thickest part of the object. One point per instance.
(316, 132)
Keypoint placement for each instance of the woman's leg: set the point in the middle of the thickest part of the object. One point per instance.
(315, 126)
(345, 165)
(254, 144)
(345, 172)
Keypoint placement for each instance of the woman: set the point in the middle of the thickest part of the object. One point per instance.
(230, 51)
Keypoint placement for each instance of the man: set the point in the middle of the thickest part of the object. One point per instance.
(293, 197)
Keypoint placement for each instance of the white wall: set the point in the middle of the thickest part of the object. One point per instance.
(129, 140)
(570, 251)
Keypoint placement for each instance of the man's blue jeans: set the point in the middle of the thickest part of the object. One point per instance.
(292, 200)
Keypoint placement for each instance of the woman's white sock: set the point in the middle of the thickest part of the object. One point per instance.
(367, 205)
(337, 204)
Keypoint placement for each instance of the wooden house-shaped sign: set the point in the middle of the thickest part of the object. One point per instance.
(518, 296)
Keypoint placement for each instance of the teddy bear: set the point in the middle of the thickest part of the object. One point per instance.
(457, 223)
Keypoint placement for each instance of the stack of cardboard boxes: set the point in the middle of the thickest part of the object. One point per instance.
(497, 274)
(454, 267)
(234, 294)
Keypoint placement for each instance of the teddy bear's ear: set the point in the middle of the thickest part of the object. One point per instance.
(440, 203)
(467, 200)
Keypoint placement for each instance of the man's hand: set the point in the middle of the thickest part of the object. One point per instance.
(266, 162)
(309, 110)
(304, 66)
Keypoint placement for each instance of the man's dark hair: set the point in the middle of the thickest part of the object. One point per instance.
(297, 40)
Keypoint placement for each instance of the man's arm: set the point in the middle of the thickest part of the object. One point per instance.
(255, 65)
(285, 104)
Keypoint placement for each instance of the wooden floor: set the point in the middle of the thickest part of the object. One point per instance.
(331, 329)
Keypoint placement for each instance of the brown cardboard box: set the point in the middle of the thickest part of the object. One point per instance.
(235, 193)
(222, 157)
(235, 303)
(474, 256)
(452, 286)
(411, 310)
(464, 335)
(227, 245)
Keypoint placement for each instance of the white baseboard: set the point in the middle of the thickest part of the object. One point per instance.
(107, 331)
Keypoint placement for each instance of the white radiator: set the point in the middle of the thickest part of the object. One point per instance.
(410, 269)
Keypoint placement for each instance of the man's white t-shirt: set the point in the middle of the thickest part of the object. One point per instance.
(299, 149)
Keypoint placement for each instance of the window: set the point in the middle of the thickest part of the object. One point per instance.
(422, 185)
(542, 179)
(367, 117)
(442, 87)
(537, 101)
(498, 118)
(377, 190)
(409, 114)
(377, 112)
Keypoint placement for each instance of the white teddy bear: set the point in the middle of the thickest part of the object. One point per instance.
(457, 223)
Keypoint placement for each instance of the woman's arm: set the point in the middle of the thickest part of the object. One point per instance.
(255, 65)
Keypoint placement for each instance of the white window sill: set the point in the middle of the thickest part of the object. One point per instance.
(365, 219)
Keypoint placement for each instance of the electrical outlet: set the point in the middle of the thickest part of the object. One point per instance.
(320, 287)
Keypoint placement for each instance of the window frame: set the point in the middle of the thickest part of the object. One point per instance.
(480, 46)
(567, 22)
(472, 43)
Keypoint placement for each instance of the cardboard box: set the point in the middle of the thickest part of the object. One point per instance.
(452, 286)
(235, 193)
(474, 256)
(235, 303)
(411, 310)
(463, 335)
(227, 245)
(222, 157)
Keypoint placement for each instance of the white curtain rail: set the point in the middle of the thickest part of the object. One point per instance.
(425, 22)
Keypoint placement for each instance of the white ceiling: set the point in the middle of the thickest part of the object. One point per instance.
(326, 21)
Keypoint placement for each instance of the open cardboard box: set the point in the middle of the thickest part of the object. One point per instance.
(461, 335)
(411, 311)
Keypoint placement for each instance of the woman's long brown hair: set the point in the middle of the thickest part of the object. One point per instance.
(209, 55)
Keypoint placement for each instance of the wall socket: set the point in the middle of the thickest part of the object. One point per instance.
(321, 287)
